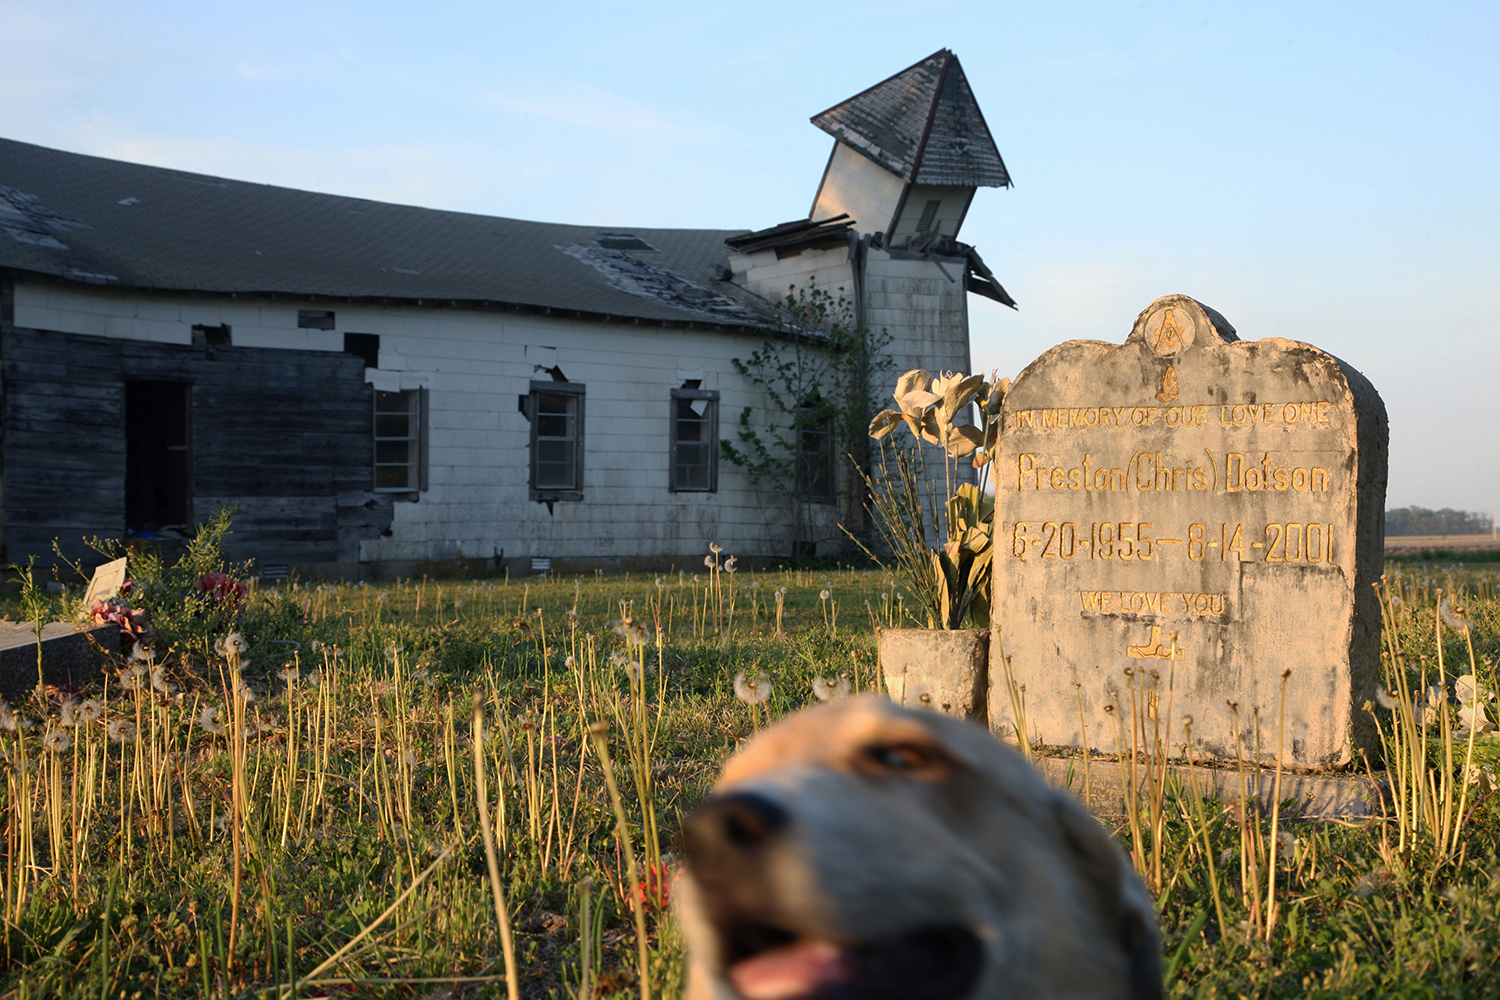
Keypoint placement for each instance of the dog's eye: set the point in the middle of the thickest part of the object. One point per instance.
(899, 757)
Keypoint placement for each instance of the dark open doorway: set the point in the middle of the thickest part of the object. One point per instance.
(158, 476)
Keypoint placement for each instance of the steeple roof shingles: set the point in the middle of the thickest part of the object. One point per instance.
(923, 125)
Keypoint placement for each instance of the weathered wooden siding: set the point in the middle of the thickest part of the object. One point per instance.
(283, 435)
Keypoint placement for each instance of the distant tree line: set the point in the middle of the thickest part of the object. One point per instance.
(1421, 521)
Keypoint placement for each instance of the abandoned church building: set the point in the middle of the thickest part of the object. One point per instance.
(378, 388)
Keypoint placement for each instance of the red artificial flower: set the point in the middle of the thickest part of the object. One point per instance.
(223, 587)
(656, 887)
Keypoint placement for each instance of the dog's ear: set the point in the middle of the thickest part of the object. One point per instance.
(1125, 910)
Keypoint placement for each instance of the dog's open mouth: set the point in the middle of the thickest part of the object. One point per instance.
(931, 963)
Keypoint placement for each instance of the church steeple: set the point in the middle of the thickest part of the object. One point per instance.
(910, 153)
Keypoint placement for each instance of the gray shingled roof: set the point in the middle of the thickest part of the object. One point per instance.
(922, 125)
(101, 221)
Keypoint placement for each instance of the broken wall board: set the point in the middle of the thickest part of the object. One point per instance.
(1181, 518)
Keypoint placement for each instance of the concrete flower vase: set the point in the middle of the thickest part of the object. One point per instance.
(946, 671)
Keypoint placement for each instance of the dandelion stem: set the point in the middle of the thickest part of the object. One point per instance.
(481, 796)
(637, 900)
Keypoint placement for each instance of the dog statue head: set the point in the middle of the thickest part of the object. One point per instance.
(864, 851)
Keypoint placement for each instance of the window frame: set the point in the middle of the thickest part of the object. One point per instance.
(815, 421)
(711, 440)
(579, 392)
(418, 439)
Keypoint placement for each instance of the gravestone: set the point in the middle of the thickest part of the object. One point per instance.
(1180, 519)
(106, 582)
(71, 654)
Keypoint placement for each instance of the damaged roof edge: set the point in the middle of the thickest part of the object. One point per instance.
(475, 305)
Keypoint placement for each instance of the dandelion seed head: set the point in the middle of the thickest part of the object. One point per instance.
(1386, 699)
(830, 688)
(235, 645)
(1455, 616)
(822, 595)
(68, 713)
(90, 710)
(142, 652)
(714, 548)
(709, 562)
(120, 730)
(633, 631)
(729, 564)
(752, 690)
(211, 721)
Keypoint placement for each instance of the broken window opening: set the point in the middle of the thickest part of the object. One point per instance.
(212, 336)
(158, 458)
(815, 474)
(365, 346)
(315, 319)
(556, 413)
(929, 212)
(695, 439)
(400, 436)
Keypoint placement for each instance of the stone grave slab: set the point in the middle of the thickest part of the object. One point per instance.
(1180, 519)
(71, 654)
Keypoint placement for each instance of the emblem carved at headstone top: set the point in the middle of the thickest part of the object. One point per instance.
(1195, 514)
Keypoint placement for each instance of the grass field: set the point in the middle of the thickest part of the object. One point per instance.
(303, 816)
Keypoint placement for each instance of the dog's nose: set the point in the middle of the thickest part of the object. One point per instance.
(730, 825)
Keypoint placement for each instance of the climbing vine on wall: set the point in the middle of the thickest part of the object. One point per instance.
(817, 370)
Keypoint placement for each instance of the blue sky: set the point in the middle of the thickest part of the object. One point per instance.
(1324, 172)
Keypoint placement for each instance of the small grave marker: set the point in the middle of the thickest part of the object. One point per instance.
(107, 581)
